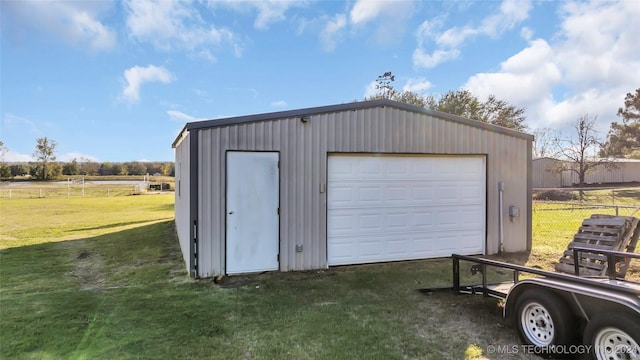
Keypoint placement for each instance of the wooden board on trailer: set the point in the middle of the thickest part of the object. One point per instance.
(601, 232)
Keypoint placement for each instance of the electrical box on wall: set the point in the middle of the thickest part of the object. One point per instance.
(514, 212)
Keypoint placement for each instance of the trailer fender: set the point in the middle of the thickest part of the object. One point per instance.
(583, 300)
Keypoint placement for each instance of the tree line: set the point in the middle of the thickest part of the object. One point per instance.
(45, 166)
(54, 170)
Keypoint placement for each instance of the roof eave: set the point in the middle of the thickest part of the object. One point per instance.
(347, 107)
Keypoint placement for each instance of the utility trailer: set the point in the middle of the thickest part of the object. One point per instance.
(556, 312)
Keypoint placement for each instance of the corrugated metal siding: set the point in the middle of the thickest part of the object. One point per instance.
(182, 194)
(303, 151)
(546, 173)
(621, 172)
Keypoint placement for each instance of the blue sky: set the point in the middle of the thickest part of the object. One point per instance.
(117, 80)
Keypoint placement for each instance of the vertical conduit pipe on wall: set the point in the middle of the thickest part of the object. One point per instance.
(501, 216)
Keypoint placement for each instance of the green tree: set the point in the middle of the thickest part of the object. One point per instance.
(87, 167)
(5, 171)
(71, 168)
(19, 169)
(493, 111)
(623, 139)
(167, 168)
(44, 155)
(121, 169)
(136, 168)
(106, 168)
(461, 102)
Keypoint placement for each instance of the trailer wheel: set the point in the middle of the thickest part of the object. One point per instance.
(613, 336)
(543, 319)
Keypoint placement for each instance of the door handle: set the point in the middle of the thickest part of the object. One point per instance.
(230, 212)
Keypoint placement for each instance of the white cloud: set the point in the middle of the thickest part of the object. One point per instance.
(12, 121)
(422, 59)
(12, 156)
(138, 75)
(389, 18)
(331, 31)
(448, 42)
(269, 11)
(68, 157)
(73, 21)
(366, 10)
(588, 68)
(370, 90)
(175, 25)
(180, 116)
(280, 103)
(526, 33)
(418, 85)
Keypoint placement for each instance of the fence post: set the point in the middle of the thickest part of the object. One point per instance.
(9, 193)
(40, 192)
(613, 196)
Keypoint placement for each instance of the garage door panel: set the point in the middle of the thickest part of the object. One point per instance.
(473, 192)
(404, 207)
(369, 195)
(396, 193)
(398, 246)
(398, 220)
(446, 193)
(423, 193)
(423, 220)
(341, 195)
(340, 223)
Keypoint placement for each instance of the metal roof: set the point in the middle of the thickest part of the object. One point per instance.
(205, 124)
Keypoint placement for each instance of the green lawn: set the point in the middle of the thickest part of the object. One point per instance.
(103, 278)
(554, 224)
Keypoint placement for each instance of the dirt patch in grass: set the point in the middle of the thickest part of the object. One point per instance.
(89, 270)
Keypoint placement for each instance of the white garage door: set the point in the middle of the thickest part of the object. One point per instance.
(386, 208)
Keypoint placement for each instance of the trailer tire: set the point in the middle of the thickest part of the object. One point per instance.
(544, 320)
(613, 336)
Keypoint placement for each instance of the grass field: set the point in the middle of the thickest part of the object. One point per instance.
(554, 224)
(103, 278)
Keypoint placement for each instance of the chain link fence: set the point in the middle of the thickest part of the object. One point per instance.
(555, 223)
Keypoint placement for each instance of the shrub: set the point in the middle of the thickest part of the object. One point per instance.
(553, 195)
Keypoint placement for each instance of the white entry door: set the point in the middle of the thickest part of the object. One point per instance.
(388, 208)
(253, 192)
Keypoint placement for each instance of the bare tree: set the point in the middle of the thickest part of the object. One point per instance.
(576, 150)
(543, 142)
(3, 152)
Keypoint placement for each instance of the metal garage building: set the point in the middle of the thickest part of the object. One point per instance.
(362, 182)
